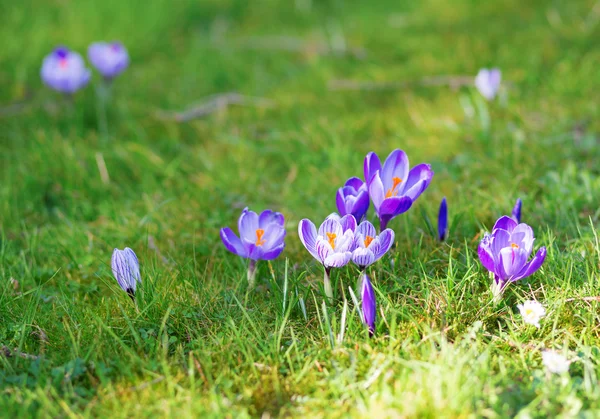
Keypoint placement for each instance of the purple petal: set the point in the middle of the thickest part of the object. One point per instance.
(308, 236)
(345, 242)
(372, 164)
(390, 207)
(331, 225)
(512, 260)
(273, 236)
(418, 180)
(355, 183)
(273, 253)
(134, 264)
(247, 226)
(270, 217)
(486, 258)
(366, 229)
(532, 266)
(376, 191)
(443, 220)
(522, 236)
(505, 223)
(494, 78)
(120, 269)
(337, 260)
(516, 212)
(255, 252)
(363, 257)
(348, 222)
(340, 201)
(323, 249)
(396, 165)
(361, 205)
(500, 240)
(233, 243)
(369, 304)
(385, 241)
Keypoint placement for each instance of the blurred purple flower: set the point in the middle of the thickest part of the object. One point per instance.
(126, 269)
(488, 82)
(505, 253)
(64, 70)
(516, 212)
(369, 304)
(370, 247)
(261, 238)
(332, 244)
(443, 220)
(353, 198)
(110, 59)
(393, 188)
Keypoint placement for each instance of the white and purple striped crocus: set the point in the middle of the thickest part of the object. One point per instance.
(488, 82)
(332, 244)
(394, 187)
(353, 198)
(261, 238)
(126, 270)
(516, 212)
(505, 253)
(64, 70)
(370, 247)
(369, 303)
(443, 220)
(110, 59)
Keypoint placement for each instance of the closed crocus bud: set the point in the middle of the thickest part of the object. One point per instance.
(64, 71)
(126, 269)
(369, 304)
(488, 82)
(516, 212)
(110, 59)
(443, 220)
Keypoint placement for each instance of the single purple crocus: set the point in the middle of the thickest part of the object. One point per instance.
(443, 220)
(126, 270)
(261, 238)
(370, 247)
(110, 59)
(332, 244)
(394, 187)
(353, 198)
(369, 304)
(64, 70)
(516, 212)
(505, 252)
(488, 82)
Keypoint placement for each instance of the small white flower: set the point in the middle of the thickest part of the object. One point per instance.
(532, 312)
(488, 82)
(554, 362)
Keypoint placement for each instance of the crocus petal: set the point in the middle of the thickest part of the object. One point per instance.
(255, 252)
(331, 225)
(337, 260)
(372, 164)
(522, 236)
(532, 266)
(308, 236)
(396, 165)
(323, 249)
(355, 183)
(247, 226)
(340, 201)
(443, 220)
(369, 304)
(419, 176)
(345, 243)
(233, 243)
(273, 236)
(376, 191)
(385, 241)
(270, 217)
(273, 253)
(361, 205)
(134, 264)
(120, 269)
(390, 207)
(501, 239)
(516, 212)
(485, 256)
(348, 222)
(366, 229)
(505, 223)
(512, 260)
(363, 257)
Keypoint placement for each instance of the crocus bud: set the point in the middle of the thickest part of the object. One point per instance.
(516, 212)
(110, 59)
(488, 82)
(64, 71)
(126, 269)
(443, 220)
(369, 305)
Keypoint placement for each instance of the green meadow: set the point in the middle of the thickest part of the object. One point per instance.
(274, 104)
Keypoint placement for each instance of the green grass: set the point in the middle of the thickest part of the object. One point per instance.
(198, 344)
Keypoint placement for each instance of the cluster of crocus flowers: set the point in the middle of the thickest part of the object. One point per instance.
(505, 253)
(64, 71)
(126, 270)
(394, 186)
(110, 59)
(261, 238)
(488, 82)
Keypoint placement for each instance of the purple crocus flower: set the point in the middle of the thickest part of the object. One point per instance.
(332, 244)
(370, 247)
(505, 253)
(64, 70)
(488, 82)
(110, 59)
(261, 238)
(516, 212)
(353, 198)
(369, 304)
(394, 187)
(443, 220)
(126, 270)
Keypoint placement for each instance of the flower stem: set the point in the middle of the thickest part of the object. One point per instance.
(382, 225)
(327, 285)
(251, 274)
(498, 290)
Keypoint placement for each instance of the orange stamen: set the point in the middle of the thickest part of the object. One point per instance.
(392, 191)
(331, 239)
(368, 240)
(259, 237)
(514, 246)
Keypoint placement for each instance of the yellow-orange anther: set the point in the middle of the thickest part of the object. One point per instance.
(331, 239)
(259, 237)
(392, 191)
(368, 240)
(514, 245)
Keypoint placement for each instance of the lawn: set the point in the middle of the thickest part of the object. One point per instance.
(323, 83)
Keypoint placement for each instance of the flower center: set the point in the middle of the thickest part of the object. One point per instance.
(62, 63)
(514, 245)
(392, 191)
(331, 239)
(368, 240)
(259, 237)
